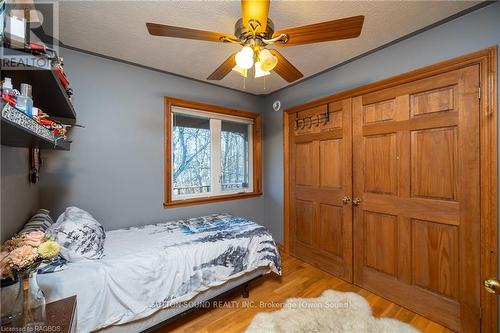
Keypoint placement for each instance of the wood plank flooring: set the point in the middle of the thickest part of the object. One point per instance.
(234, 313)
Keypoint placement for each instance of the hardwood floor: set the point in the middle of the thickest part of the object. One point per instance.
(233, 313)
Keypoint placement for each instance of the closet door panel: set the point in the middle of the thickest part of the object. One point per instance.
(304, 171)
(380, 237)
(378, 112)
(437, 100)
(331, 233)
(304, 211)
(434, 163)
(330, 173)
(416, 173)
(380, 162)
(321, 142)
(435, 253)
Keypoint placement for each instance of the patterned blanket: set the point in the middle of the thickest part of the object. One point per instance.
(152, 267)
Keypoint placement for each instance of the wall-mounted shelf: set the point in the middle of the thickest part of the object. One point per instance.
(48, 92)
(19, 130)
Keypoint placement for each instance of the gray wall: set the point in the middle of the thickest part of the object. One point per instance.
(115, 166)
(18, 198)
(469, 33)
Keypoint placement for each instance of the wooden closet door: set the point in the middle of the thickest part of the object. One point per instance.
(320, 177)
(416, 172)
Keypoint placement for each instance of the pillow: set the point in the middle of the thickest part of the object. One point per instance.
(41, 221)
(79, 235)
(55, 265)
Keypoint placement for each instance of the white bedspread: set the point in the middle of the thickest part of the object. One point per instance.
(148, 268)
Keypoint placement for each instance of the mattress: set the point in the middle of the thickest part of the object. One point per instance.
(145, 324)
(154, 267)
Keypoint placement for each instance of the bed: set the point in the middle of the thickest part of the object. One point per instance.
(152, 273)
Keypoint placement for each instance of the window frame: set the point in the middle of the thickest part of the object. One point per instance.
(255, 176)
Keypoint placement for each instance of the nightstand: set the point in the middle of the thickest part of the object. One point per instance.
(61, 315)
(61, 318)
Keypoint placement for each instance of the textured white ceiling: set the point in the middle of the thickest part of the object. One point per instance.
(117, 29)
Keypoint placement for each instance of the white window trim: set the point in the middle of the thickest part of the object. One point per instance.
(215, 154)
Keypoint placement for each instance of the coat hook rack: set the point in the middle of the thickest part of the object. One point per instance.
(309, 121)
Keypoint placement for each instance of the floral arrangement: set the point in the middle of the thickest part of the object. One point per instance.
(24, 253)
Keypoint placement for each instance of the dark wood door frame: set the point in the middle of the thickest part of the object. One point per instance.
(487, 60)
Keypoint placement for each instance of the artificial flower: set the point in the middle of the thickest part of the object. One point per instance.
(34, 238)
(5, 269)
(11, 244)
(23, 256)
(48, 249)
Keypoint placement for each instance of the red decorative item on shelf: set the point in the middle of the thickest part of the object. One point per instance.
(56, 61)
(11, 99)
(37, 48)
(43, 50)
(62, 76)
(58, 129)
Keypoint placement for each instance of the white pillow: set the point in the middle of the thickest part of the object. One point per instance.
(79, 235)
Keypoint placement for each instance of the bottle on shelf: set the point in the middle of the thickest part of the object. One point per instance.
(6, 87)
(24, 101)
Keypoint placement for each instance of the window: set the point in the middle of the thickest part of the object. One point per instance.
(191, 151)
(211, 153)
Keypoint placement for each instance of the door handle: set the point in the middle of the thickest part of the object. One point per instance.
(356, 201)
(492, 286)
(346, 199)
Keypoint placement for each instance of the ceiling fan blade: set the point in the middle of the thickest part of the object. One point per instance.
(257, 10)
(224, 68)
(285, 69)
(179, 32)
(349, 27)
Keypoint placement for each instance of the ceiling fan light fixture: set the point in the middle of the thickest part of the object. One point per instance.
(254, 31)
(258, 70)
(268, 60)
(242, 71)
(244, 58)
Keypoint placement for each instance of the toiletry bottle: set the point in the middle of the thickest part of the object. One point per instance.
(6, 87)
(24, 101)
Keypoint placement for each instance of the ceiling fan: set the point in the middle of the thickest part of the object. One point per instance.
(255, 32)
